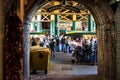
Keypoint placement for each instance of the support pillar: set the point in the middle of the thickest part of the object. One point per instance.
(58, 30)
(32, 25)
(52, 29)
(90, 23)
(38, 26)
(74, 25)
(94, 28)
(26, 51)
(38, 23)
(51, 34)
(56, 25)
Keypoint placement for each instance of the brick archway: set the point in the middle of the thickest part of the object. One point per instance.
(117, 25)
(104, 18)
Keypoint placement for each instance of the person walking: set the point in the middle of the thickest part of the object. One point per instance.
(57, 44)
(52, 48)
(63, 44)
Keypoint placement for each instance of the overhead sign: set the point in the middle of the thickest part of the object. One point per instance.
(73, 8)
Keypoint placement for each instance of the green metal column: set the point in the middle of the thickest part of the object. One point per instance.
(90, 23)
(51, 34)
(32, 26)
(58, 27)
(94, 25)
(52, 28)
(73, 25)
(56, 24)
(38, 26)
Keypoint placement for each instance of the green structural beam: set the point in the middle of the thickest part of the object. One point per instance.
(32, 25)
(52, 28)
(56, 25)
(94, 25)
(38, 26)
(73, 25)
(51, 34)
(58, 30)
(90, 23)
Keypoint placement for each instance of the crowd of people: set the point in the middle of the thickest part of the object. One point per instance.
(66, 43)
(86, 49)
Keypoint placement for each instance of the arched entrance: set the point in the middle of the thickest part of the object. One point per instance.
(104, 19)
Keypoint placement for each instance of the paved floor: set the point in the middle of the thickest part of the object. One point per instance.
(61, 68)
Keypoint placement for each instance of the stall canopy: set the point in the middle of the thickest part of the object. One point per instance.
(72, 33)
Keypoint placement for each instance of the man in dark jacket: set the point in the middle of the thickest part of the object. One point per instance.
(52, 48)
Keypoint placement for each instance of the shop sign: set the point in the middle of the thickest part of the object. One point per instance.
(73, 8)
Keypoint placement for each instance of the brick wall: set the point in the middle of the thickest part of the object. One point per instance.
(118, 43)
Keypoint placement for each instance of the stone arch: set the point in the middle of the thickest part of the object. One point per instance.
(104, 18)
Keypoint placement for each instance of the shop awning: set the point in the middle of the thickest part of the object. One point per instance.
(71, 33)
